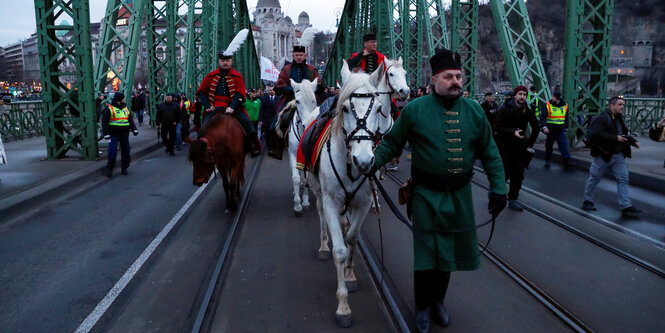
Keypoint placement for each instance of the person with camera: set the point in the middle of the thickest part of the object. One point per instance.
(117, 122)
(511, 120)
(610, 146)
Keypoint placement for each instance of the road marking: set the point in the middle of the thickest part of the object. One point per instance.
(105, 303)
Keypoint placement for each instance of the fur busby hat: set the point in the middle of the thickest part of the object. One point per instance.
(518, 89)
(298, 48)
(368, 37)
(445, 59)
(557, 94)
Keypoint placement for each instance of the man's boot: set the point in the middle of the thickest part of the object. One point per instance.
(440, 315)
(422, 320)
(254, 145)
(275, 145)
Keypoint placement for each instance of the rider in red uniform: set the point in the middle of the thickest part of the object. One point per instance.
(369, 59)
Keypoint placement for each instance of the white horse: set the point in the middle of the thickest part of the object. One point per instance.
(302, 106)
(342, 190)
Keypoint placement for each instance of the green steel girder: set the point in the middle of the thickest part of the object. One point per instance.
(122, 41)
(160, 37)
(246, 59)
(181, 47)
(196, 65)
(464, 38)
(516, 35)
(344, 43)
(436, 25)
(69, 114)
(586, 61)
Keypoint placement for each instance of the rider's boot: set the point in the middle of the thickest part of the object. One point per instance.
(254, 144)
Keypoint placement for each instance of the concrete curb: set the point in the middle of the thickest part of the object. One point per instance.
(50, 189)
(637, 177)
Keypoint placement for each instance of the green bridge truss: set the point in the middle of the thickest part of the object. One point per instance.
(184, 36)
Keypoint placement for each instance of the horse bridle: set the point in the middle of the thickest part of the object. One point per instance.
(361, 123)
(295, 125)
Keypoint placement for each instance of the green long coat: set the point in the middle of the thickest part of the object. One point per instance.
(444, 143)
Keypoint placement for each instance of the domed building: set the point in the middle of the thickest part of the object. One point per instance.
(274, 33)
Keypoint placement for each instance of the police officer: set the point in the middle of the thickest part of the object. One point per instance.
(553, 122)
(446, 134)
(116, 124)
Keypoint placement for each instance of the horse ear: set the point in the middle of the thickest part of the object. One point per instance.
(294, 84)
(399, 60)
(315, 84)
(377, 75)
(345, 71)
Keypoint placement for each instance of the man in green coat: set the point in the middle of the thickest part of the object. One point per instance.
(446, 133)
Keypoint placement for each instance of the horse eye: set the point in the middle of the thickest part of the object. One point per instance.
(297, 102)
(391, 74)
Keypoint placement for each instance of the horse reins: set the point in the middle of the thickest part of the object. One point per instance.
(403, 219)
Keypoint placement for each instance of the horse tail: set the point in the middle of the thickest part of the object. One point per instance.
(284, 118)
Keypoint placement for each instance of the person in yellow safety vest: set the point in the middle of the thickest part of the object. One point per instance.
(553, 123)
(533, 100)
(182, 130)
(117, 122)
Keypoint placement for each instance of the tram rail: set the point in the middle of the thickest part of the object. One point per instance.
(541, 296)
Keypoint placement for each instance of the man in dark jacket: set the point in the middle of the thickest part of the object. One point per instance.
(267, 110)
(553, 120)
(168, 116)
(512, 119)
(116, 124)
(610, 146)
(490, 107)
(138, 106)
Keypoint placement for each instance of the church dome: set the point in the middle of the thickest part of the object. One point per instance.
(303, 19)
(268, 3)
(288, 19)
(269, 16)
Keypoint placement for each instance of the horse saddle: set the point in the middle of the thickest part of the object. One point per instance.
(286, 118)
(316, 135)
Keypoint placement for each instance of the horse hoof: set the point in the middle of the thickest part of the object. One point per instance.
(297, 213)
(351, 286)
(305, 204)
(344, 321)
(324, 255)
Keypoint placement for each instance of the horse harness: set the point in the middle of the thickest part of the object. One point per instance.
(361, 124)
(296, 125)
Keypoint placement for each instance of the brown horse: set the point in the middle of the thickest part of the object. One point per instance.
(221, 144)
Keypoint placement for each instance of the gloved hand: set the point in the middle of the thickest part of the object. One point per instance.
(135, 132)
(107, 137)
(497, 203)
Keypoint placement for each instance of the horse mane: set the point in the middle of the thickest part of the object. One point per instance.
(290, 106)
(355, 81)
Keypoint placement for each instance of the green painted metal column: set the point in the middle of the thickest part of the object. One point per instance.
(195, 59)
(247, 57)
(343, 44)
(123, 41)
(161, 53)
(520, 48)
(69, 114)
(586, 62)
(464, 38)
(437, 36)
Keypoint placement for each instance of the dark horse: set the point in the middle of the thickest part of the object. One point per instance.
(221, 143)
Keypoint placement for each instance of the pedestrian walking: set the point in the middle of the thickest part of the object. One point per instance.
(138, 106)
(553, 122)
(610, 146)
(252, 106)
(446, 134)
(117, 122)
(168, 117)
(490, 107)
(515, 147)
(267, 112)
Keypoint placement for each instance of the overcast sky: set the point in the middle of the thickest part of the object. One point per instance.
(18, 22)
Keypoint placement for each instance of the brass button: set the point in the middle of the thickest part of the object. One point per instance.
(454, 140)
(451, 113)
(452, 121)
(455, 150)
(456, 170)
(455, 159)
(456, 130)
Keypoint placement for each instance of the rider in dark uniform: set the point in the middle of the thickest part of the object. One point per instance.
(369, 59)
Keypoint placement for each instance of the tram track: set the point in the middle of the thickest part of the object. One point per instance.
(208, 304)
(539, 294)
(592, 239)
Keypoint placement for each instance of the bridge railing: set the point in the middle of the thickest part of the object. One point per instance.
(640, 113)
(20, 120)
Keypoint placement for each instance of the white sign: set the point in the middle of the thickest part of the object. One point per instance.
(268, 71)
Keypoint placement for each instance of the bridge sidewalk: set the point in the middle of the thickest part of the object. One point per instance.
(29, 176)
(646, 165)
